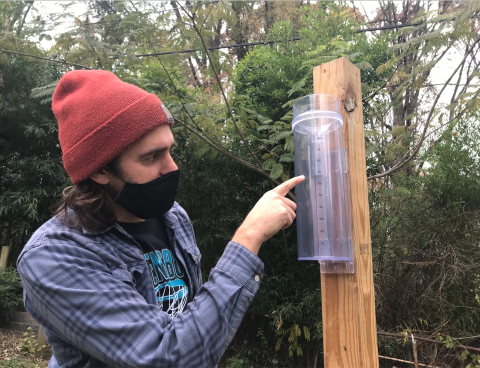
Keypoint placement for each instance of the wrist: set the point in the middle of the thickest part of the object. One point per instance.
(248, 239)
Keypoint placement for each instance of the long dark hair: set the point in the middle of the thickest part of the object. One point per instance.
(90, 202)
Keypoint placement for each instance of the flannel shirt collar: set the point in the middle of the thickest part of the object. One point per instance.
(170, 219)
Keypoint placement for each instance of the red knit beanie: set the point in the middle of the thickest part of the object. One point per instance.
(99, 116)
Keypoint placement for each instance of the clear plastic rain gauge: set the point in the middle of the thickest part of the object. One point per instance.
(323, 206)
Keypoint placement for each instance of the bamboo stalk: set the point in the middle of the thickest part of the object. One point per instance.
(458, 346)
(408, 362)
(414, 348)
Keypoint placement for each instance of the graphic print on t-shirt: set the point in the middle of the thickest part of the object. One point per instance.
(171, 290)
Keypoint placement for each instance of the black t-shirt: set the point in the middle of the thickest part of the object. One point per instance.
(169, 277)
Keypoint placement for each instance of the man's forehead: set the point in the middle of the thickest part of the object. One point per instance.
(159, 138)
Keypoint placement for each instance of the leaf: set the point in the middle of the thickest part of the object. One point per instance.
(417, 84)
(288, 144)
(286, 157)
(280, 135)
(284, 176)
(306, 332)
(296, 87)
(289, 104)
(299, 351)
(449, 343)
(268, 164)
(411, 116)
(398, 130)
(364, 65)
(373, 148)
(277, 170)
(279, 343)
(464, 355)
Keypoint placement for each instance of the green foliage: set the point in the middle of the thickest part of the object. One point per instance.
(270, 79)
(238, 362)
(10, 293)
(29, 344)
(31, 170)
(424, 217)
(22, 362)
(293, 333)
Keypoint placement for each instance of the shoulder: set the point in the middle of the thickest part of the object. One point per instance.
(178, 219)
(53, 233)
(182, 215)
(176, 216)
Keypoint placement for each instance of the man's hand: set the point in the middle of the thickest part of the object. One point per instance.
(272, 213)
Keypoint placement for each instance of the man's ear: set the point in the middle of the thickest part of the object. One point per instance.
(101, 177)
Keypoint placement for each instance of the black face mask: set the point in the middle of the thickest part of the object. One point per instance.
(151, 199)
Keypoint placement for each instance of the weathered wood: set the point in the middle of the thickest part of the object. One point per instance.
(41, 340)
(6, 248)
(4, 257)
(348, 301)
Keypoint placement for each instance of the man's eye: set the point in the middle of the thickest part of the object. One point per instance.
(153, 157)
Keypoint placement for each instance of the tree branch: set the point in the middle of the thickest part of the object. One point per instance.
(192, 18)
(30, 4)
(228, 154)
(176, 92)
(383, 85)
(408, 157)
(206, 17)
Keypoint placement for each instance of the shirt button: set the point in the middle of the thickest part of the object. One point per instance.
(257, 278)
(140, 252)
(195, 258)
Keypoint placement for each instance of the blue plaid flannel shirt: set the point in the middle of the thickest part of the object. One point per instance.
(94, 296)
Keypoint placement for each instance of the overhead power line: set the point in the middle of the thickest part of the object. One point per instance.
(209, 49)
(256, 43)
(388, 27)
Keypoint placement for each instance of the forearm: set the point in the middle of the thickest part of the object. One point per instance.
(111, 322)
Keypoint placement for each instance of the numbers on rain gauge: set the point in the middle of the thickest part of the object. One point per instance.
(318, 194)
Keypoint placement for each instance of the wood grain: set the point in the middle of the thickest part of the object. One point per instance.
(348, 301)
(4, 257)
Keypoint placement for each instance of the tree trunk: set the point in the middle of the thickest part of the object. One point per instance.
(238, 34)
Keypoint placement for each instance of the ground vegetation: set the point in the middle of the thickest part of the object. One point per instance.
(233, 110)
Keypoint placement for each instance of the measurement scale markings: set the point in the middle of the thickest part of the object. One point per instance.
(318, 196)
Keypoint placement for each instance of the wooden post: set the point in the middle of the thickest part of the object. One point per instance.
(41, 340)
(6, 248)
(4, 257)
(348, 301)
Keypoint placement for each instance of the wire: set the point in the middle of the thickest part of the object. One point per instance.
(256, 43)
(210, 48)
(240, 44)
(269, 42)
(388, 27)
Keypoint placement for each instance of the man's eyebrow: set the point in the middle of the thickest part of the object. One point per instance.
(157, 150)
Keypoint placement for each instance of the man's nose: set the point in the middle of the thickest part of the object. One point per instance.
(171, 166)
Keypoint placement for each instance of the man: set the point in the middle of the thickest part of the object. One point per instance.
(114, 278)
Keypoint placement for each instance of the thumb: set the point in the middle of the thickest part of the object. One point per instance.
(285, 187)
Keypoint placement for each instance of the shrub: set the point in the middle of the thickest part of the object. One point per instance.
(10, 296)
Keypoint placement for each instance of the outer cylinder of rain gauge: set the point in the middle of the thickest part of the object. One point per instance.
(323, 206)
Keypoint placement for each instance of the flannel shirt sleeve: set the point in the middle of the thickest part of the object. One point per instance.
(71, 291)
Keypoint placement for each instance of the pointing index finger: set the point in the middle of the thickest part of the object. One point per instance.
(284, 188)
